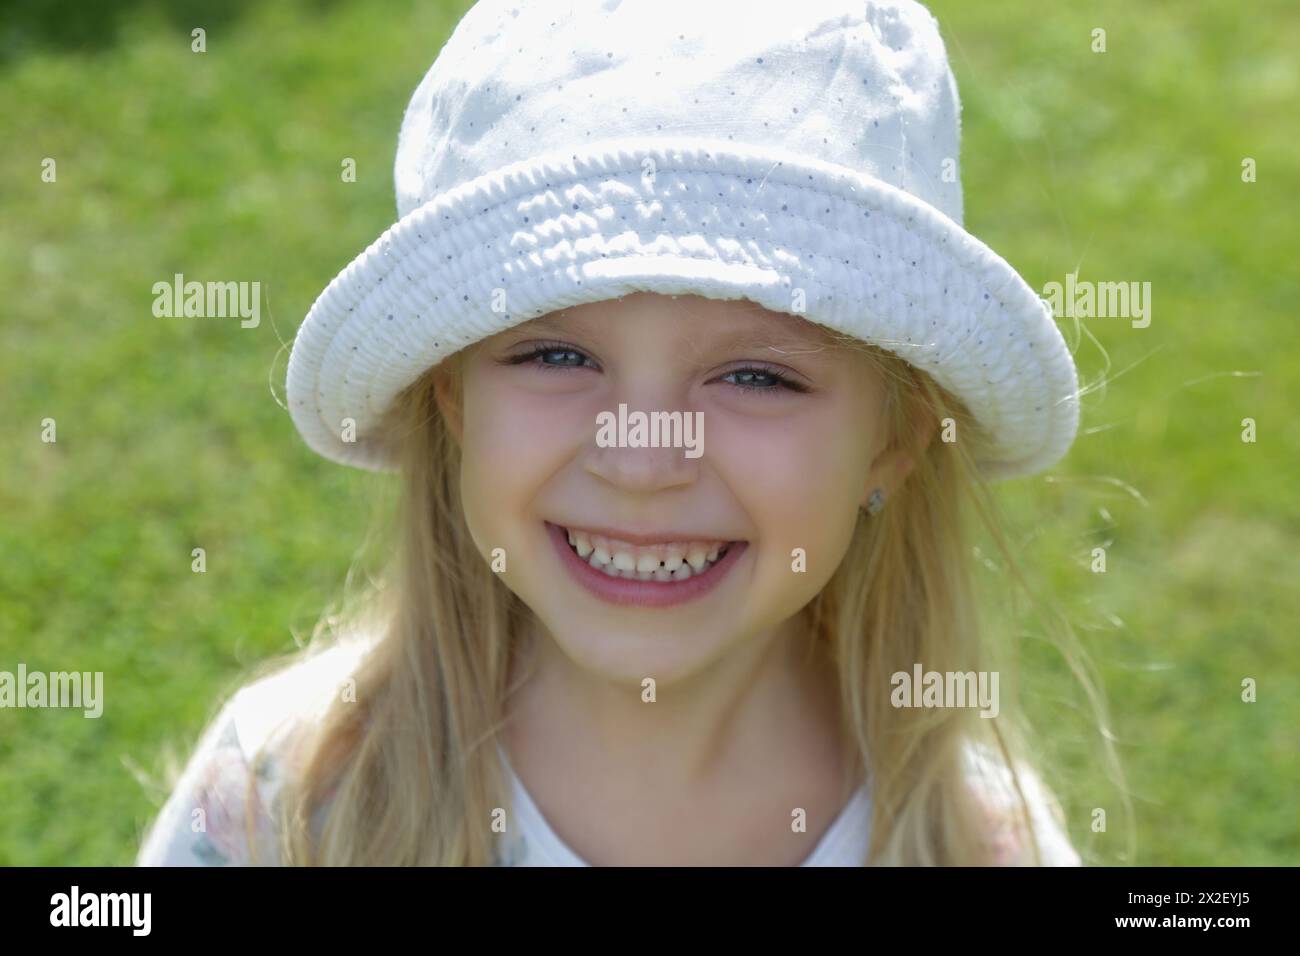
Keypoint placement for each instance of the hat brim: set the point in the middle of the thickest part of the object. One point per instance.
(718, 219)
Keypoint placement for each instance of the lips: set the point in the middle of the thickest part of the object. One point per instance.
(644, 573)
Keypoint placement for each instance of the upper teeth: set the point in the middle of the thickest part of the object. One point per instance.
(675, 561)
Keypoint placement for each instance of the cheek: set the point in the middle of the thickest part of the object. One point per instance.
(514, 441)
(799, 478)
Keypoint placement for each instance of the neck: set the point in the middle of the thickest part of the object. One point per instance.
(769, 703)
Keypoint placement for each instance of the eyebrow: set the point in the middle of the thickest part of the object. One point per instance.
(543, 325)
(761, 340)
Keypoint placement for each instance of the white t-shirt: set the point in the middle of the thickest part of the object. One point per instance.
(534, 843)
(223, 797)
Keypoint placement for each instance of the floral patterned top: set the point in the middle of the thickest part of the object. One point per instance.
(223, 810)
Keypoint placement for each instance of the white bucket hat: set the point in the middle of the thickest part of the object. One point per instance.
(802, 155)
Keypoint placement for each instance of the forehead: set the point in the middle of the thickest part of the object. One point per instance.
(721, 323)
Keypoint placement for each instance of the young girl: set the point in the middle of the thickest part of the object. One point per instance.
(693, 381)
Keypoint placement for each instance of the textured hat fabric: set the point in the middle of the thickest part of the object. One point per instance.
(802, 155)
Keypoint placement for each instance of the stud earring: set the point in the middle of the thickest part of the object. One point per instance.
(875, 502)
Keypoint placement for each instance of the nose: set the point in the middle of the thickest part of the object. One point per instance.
(634, 465)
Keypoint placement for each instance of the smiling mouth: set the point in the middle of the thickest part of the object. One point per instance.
(663, 562)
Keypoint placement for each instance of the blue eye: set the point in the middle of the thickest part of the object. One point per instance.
(566, 357)
(761, 380)
(551, 356)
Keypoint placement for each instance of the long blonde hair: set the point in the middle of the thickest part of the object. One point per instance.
(406, 772)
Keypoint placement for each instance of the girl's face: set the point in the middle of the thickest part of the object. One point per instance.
(646, 561)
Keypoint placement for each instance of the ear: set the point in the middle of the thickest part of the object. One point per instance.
(448, 393)
(895, 462)
(887, 472)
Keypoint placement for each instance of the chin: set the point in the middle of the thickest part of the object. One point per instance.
(631, 653)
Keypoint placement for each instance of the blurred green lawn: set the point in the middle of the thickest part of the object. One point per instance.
(226, 165)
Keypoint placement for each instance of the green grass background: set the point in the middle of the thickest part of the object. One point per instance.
(225, 165)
